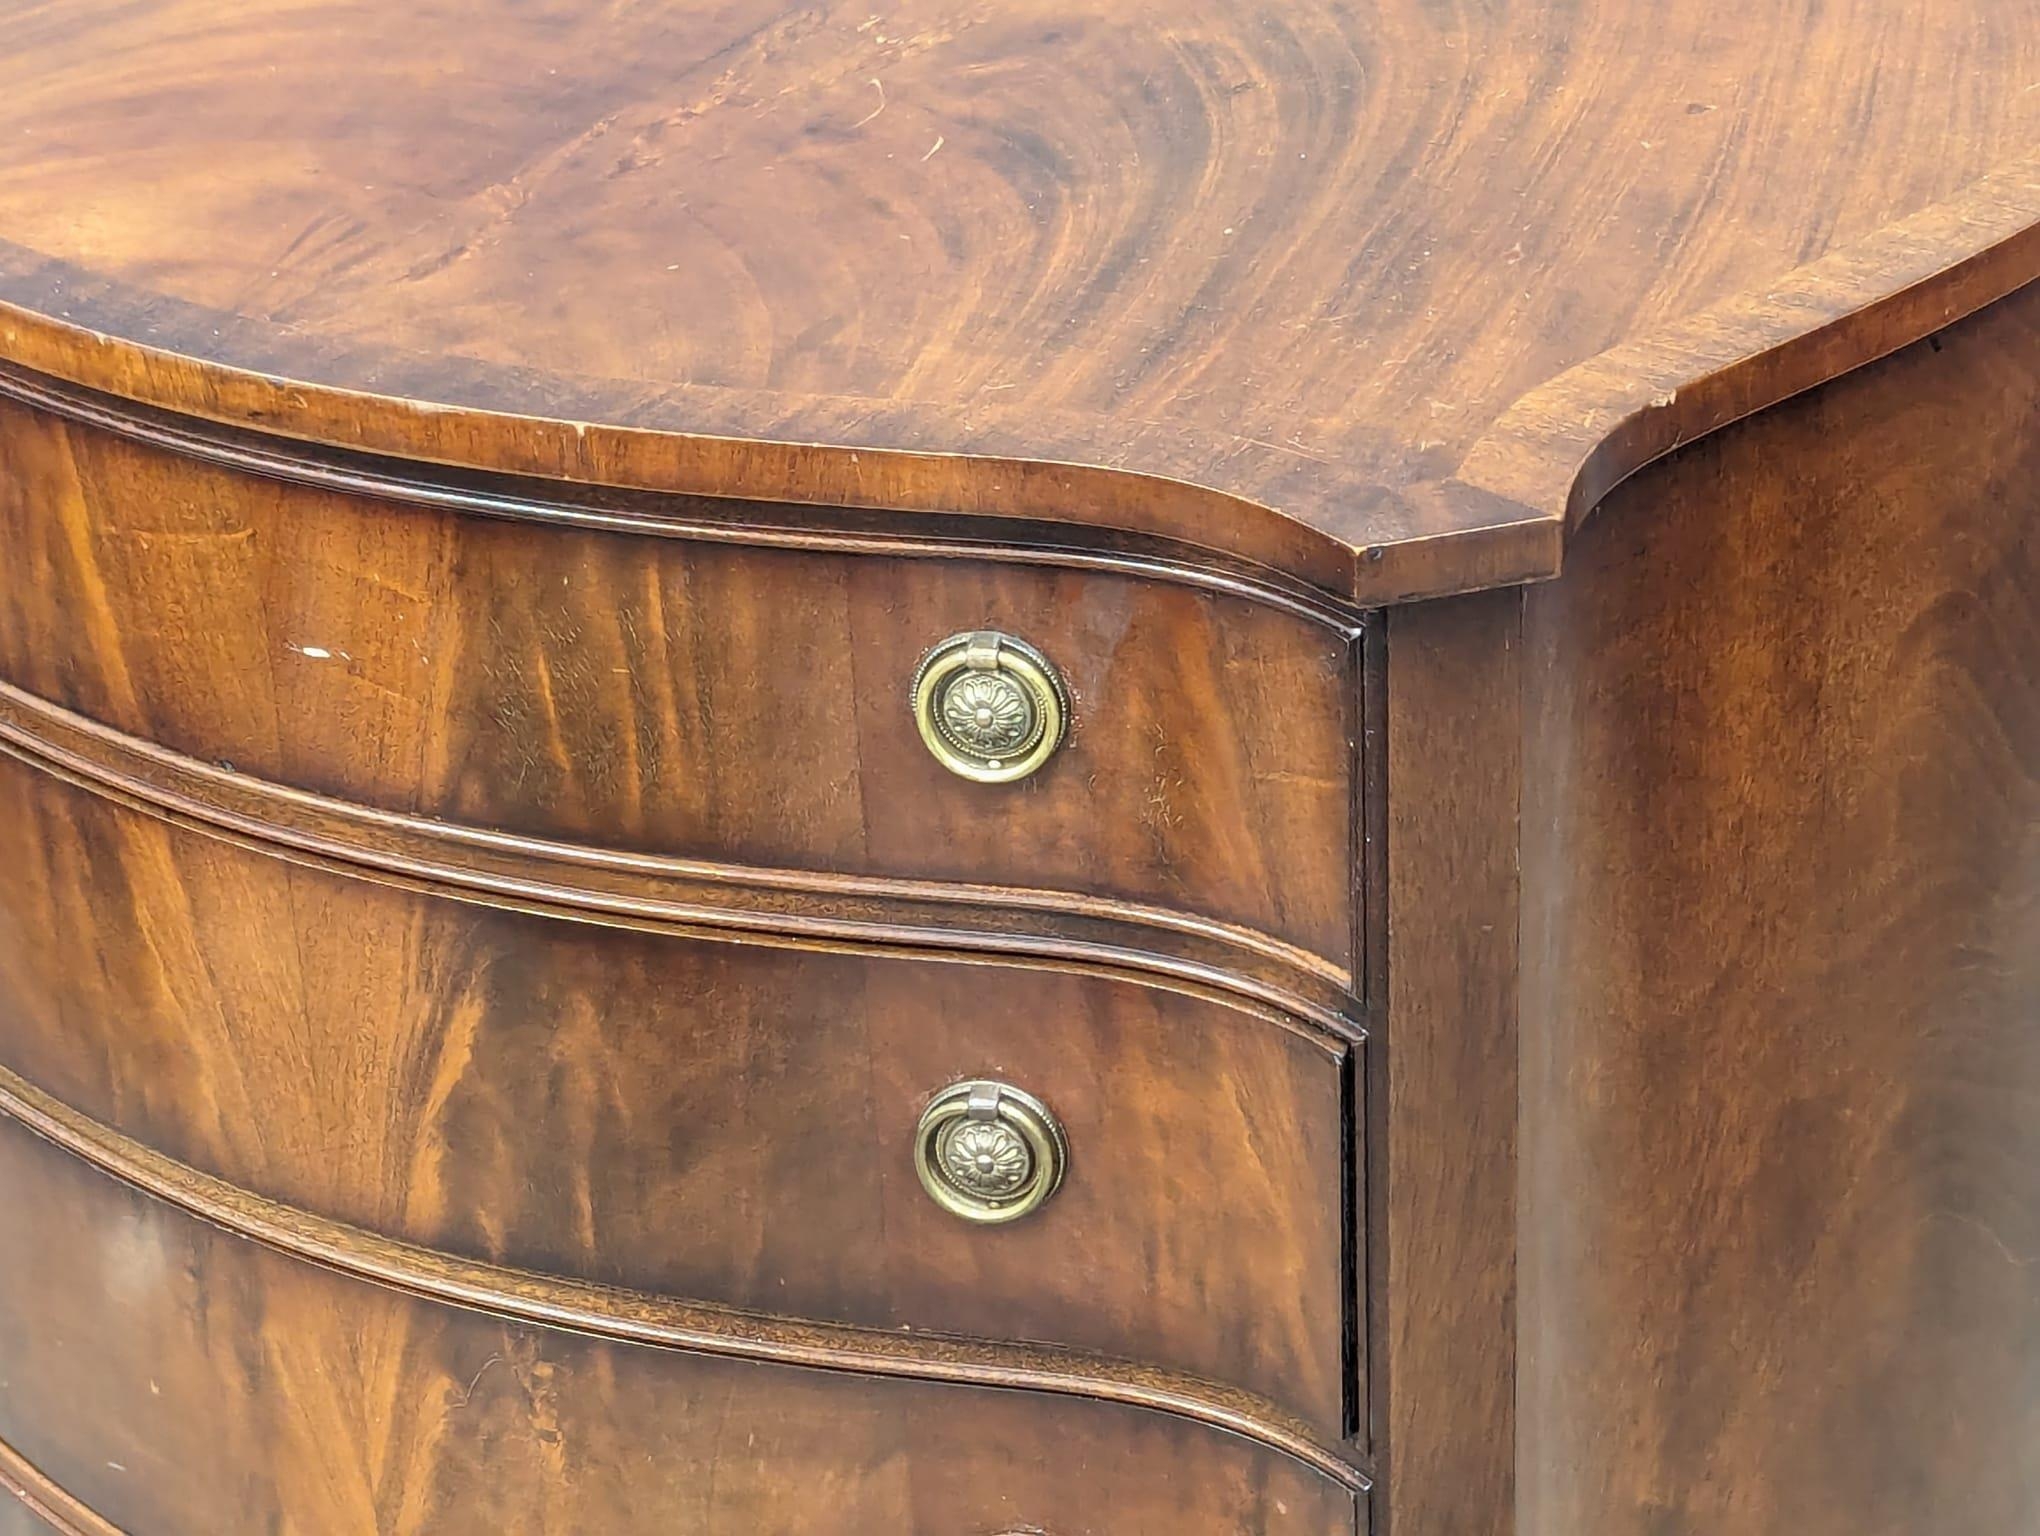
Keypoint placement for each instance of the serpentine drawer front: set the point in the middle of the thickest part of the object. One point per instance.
(749, 706)
(191, 1407)
(714, 1121)
(1029, 768)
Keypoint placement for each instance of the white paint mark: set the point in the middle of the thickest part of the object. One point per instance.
(318, 652)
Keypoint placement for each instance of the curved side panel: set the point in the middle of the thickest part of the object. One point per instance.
(1781, 884)
(181, 1382)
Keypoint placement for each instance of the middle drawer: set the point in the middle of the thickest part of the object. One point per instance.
(719, 1121)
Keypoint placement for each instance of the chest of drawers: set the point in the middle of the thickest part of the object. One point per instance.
(1019, 769)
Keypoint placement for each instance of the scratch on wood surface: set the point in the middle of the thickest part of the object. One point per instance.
(880, 88)
(468, 1396)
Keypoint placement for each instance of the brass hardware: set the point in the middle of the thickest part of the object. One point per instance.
(988, 1152)
(990, 707)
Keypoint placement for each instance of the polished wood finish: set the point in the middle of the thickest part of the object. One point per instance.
(692, 895)
(716, 1121)
(185, 1382)
(1263, 276)
(687, 698)
(1782, 972)
(1446, 1065)
(610, 1312)
(1532, 933)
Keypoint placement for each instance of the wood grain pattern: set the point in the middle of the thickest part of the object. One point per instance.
(676, 697)
(696, 896)
(709, 1121)
(475, 482)
(182, 1382)
(1302, 258)
(1570, 442)
(1782, 811)
(1445, 1065)
(600, 1311)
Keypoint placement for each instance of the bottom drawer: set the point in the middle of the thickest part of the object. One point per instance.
(182, 1381)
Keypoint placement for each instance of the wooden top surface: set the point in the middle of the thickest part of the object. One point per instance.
(1396, 269)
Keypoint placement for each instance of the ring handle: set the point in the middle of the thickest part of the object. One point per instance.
(990, 707)
(989, 1153)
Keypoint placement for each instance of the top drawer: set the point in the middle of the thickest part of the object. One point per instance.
(733, 703)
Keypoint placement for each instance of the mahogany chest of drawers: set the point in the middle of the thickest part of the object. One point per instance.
(1019, 768)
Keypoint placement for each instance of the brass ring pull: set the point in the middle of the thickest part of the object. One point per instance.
(990, 707)
(988, 1152)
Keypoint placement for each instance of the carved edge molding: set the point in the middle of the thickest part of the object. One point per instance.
(1248, 971)
(48, 1502)
(637, 1318)
(523, 495)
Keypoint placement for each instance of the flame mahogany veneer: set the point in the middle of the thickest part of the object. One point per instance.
(1533, 936)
